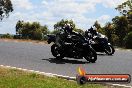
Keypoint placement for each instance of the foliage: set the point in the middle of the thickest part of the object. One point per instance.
(121, 27)
(118, 31)
(109, 30)
(128, 40)
(79, 31)
(97, 25)
(55, 32)
(125, 7)
(37, 34)
(59, 26)
(115, 40)
(27, 30)
(5, 8)
(99, 28)
(7, 36)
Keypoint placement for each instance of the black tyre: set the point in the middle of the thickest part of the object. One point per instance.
(81, 80)
(109, 50)
(91, 56)
(56, 52)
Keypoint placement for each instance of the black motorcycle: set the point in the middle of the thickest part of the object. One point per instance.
(100, 43)
(73, 47)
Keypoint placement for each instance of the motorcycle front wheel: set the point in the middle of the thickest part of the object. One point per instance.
(91, 56)
(109, 50)
(56, 51)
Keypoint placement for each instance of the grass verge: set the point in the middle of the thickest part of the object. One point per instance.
(12, 78)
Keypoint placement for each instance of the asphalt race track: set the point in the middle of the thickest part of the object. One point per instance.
(38, 57)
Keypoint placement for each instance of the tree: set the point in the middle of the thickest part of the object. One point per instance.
(128, 40)
(123, 24)
(54, 32)
(44, 29)
(125, 7)
(28, 30)
(37, 34)
(121, 27)
(59, 25)
(109, 30)
(5, 8)
(126, 10)
(7, 36)
(19, 26)
(79, 31)
(97, 25)
(99, 28)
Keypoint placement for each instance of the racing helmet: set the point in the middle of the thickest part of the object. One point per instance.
(94, 30)
(68, 28)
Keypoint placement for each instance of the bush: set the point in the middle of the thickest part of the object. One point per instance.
(7, 36)
(115, 40)
(17, 37)
(128, 40)
(37, 35)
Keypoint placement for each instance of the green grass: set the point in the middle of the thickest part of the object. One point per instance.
(12, 78)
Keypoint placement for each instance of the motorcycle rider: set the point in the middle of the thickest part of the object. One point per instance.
(93, 31)
(95, 36)
(68, 28)
(62, 36)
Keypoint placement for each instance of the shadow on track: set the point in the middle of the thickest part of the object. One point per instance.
(64, 61)
(101, 54)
